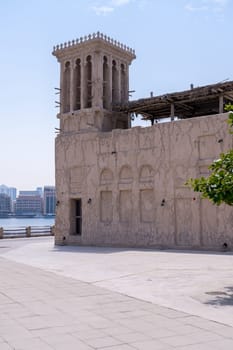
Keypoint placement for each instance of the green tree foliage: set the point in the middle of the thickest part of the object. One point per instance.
(218, 186)
(229, 108)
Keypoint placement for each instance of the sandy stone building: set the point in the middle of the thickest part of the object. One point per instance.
(123, 186)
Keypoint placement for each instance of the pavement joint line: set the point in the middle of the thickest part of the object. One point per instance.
(123, 310)
(119, 293)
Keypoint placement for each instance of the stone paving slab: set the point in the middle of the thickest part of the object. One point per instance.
(199, 283)
(79, 320)
(56, 307)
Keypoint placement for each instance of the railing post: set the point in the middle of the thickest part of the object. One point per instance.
(52, 230)
(28, 231)
(1, 232)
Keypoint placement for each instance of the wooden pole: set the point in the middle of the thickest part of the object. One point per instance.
(221, 104)
(172, 114)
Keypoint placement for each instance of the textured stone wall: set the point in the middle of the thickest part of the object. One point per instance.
(131, 183)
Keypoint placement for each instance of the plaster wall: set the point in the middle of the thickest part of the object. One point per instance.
(131, 183)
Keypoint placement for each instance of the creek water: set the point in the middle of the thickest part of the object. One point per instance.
(23, 222)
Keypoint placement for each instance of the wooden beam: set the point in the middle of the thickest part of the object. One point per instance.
(228, 97)
(183, 105)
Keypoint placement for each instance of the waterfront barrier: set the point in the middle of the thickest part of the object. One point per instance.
(28, 231)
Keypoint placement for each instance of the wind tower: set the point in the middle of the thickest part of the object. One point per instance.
(94, 77)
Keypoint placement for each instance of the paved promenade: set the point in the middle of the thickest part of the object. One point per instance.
(118, 299)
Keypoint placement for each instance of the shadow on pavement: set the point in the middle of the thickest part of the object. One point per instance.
(222, 298)
(111, 250)
(92, 249)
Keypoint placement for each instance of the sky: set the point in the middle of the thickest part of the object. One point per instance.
(177, 42)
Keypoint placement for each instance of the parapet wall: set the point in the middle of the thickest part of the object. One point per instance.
(131, 183)
(87, 39)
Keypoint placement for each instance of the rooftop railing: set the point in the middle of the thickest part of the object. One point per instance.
(91, 37)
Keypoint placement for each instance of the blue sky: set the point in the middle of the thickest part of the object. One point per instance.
(177, 42)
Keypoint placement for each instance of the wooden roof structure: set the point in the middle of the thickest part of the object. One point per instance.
(199, 101)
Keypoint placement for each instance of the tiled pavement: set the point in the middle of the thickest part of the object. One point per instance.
(40, 310)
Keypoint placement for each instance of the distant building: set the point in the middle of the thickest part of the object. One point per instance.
(5, 205)
(49, 200)
(30, 193)
(29, 203)
(40, 190)
(3, 189)
(10, 191)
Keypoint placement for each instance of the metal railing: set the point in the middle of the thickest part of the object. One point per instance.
(27, 231)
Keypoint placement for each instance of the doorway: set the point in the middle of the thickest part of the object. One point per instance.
(76, 216)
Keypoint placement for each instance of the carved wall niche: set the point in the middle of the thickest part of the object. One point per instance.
(106, 210)
(126, 174)
(209, 223)
(106, 176)
(76, 179)
(147, 205)
(187, 223)
(208, 147)
(204, 170)
(146, 173)
(125, 206)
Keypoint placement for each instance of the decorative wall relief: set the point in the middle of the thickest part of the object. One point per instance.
(106, 211)
(126, 174)
(147, 205)
(146, 173)
(209, 223)
(187, 226)
(204, 170)
(125, 206)
(76, 179)
(208, 147)
(106, 177)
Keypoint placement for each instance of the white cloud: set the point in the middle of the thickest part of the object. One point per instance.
(102, 10)
(120, 2)
(206, 5)
(218, 2)
(107, 6)
(192, 8)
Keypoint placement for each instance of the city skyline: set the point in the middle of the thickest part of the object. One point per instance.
(177, 43)
(40, 201)
(14, 192)
(36, 188)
